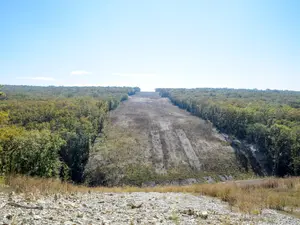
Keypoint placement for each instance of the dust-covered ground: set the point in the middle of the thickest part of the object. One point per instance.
(148, 130)
(127, 208)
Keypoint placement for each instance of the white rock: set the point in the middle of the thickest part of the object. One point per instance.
(37, 217)
(159, 210)
(204, 215)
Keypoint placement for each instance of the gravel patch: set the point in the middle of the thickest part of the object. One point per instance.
(127, 208)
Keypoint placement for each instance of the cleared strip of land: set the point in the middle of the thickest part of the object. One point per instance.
(173, 137)
(150, 132)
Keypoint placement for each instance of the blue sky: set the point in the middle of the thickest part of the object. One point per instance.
(151, 43)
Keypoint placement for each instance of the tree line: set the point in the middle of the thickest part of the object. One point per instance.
(268, 119)
(48, 131)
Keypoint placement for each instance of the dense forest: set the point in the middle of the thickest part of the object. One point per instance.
(268, 119)
(48, 131)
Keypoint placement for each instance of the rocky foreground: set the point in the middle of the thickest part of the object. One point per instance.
(127, 208)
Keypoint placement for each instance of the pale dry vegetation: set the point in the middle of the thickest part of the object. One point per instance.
(249, 196)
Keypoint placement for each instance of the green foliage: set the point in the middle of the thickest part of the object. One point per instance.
(3, 118)
(38, 93)
(33, 153)
(2, 94)
(49, 131)
(269, 119)
(295, 151)
(137, 174)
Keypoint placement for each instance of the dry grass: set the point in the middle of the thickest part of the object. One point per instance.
(248, 196)
(1, 180)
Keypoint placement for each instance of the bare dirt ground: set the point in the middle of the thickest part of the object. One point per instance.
(169, 137)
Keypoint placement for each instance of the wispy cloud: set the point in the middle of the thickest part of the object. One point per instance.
(37, 78)
(135, 75)
(80, 72)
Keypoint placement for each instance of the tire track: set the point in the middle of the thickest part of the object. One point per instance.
(188, 149)
(157, 152)
(169, 138)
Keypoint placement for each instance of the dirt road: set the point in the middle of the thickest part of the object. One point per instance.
(171, 137)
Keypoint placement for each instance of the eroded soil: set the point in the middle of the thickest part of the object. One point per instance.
(170, 137)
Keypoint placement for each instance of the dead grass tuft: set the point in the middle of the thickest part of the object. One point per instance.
(42, 186)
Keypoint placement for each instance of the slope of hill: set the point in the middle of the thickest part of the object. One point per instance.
(267, 120)
(151, 139)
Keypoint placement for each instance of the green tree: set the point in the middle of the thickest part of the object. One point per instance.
(32, 153)
(49, 130)
(296, 150)
(268, 119)
(1, 93)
